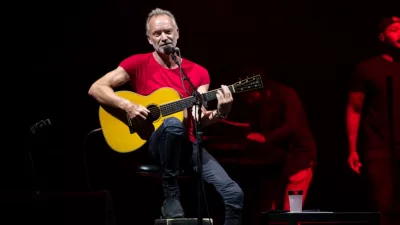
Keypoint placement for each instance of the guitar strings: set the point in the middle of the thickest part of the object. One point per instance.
(170, 108)
(173, 107)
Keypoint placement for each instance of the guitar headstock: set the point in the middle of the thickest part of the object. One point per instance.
(248, 84)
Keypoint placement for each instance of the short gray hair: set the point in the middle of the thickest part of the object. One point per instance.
(158, 12)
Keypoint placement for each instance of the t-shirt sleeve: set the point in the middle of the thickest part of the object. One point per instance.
(204, 77)
(132, 64)
(358, 79)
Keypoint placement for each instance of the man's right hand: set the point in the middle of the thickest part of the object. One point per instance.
(136, 112)
(354, 162)
(138, 115)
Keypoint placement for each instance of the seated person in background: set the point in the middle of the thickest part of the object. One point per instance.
(283, 137)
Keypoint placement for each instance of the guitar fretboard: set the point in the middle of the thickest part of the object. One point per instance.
(177, 106)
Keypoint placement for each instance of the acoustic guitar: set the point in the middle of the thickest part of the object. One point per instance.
(121, 135)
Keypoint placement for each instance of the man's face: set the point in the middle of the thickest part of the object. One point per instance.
(162, 32)
(391, 35)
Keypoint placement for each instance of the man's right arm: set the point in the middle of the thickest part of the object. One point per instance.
(102, 89)
(353, 114)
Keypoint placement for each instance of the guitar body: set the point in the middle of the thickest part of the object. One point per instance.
(115, 123)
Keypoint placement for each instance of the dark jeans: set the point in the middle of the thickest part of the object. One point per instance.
(383, 176)
(170, 148)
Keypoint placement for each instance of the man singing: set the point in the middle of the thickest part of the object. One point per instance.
(173, 141)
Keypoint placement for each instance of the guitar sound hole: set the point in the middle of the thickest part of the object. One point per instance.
(154, 112)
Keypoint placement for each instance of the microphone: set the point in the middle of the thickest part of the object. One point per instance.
(170, 50)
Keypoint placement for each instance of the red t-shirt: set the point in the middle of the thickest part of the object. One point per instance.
(147, 75)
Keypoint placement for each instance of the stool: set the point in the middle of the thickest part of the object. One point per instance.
(182, 221)
(143, 170)
(151, 170)
(293, 218)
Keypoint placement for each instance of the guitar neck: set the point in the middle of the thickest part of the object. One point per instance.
(179, 105)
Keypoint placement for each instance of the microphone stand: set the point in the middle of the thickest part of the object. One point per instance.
(389, 98)
(199, 101)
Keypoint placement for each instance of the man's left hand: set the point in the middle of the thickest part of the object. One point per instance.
(225, 100)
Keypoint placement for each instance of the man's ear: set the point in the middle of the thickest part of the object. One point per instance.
(149, 40)
(177, 31)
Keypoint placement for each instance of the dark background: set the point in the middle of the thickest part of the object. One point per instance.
(61, 47)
